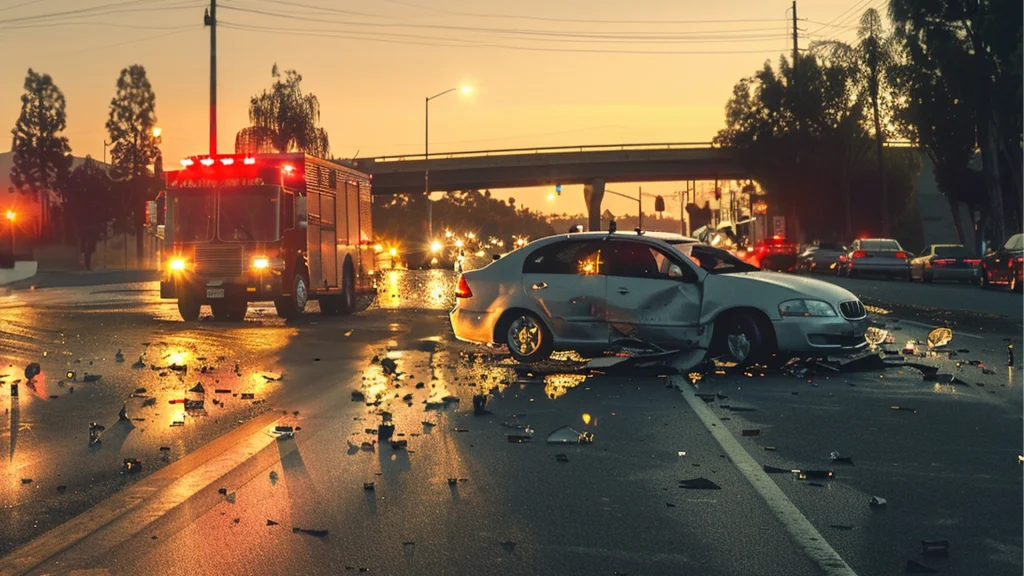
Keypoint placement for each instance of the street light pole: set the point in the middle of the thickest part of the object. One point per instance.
(426, 156)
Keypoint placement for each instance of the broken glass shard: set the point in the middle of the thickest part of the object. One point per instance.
(567, 435)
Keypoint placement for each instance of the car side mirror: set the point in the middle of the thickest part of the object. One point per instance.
(674, 271)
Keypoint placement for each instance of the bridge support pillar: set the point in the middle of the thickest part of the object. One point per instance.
(593, 193)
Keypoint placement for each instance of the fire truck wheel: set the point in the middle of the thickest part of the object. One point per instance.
(294, 304)
(347, 305)
(188, 306)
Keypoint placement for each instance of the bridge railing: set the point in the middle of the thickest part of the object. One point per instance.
(546, 150)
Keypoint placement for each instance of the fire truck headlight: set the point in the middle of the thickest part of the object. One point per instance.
(260, 263)
(177, 264)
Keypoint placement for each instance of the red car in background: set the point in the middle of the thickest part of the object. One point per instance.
(776, 253)
(1004, 266)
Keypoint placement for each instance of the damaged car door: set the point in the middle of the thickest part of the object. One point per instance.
(566, 281)
(653, 296)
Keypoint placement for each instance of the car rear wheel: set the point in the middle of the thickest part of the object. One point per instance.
(528, 339)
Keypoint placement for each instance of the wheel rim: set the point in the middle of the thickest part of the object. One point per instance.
(300, 293)
(524, 336)
(739, 346)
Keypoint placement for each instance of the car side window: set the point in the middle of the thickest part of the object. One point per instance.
(584, 258)
(640, 260)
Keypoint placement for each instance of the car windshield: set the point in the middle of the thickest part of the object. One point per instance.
(952, 252)
(713, 260)
(1016, 242)
(248, 214)
(193, 213)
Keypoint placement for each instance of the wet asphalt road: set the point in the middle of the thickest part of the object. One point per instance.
(949, 470)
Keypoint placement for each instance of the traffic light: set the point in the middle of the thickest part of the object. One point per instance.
(558, 189)
(659, 204)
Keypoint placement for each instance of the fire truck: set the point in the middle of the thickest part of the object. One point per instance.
(252, 228)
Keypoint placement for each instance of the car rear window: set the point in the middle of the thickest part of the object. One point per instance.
(1016, 242)
(952, 252)
(880, 245)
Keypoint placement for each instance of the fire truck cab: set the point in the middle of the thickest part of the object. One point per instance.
(250, 228)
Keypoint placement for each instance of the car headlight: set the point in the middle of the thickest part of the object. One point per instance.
(260, 263)
(811, 308)
(177, 264)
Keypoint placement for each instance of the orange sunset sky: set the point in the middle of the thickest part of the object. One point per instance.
(543, 73)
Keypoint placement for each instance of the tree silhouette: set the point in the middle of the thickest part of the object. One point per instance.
(87, 205)
(41, 154)
(135, 147)
(284, 120)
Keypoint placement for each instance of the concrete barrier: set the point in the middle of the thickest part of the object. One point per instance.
(22, 269)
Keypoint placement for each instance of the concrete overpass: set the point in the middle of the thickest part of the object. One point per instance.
(591, 166)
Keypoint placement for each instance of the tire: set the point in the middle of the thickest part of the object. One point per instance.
(230, 310)
(347, 303)
(293, 305)
(739, 338)
(528, 339)
(188, 305)
(1014, 285)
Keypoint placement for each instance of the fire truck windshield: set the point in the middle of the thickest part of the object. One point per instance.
(249, 214)
(195, 214)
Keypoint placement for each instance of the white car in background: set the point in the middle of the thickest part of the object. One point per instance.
(586, 291)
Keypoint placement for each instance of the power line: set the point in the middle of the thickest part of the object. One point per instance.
(103, 10)
(513, 31)
(347, 36)
(842, 14)
(534, 18)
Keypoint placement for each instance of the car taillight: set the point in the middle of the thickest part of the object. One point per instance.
(842, 257)
(901, 255)
(860, 254)
(942, 261)
(972, 262)
(463, 291)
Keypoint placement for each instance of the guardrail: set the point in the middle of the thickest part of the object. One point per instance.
(546, 150)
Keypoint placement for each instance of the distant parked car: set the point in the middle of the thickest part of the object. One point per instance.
(776, 253)
(587, 291)
(945, 262)
(1004, 266)
(821, 258)
(879, 256)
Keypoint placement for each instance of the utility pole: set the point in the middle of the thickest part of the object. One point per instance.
(211, 21)
(796, 47)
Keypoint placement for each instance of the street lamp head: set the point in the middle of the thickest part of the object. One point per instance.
(467, 89)
(157, 131)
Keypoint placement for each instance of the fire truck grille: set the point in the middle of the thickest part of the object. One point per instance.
(223, 260)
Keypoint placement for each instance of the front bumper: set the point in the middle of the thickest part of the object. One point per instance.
(833, 335)
(253, 287)
(475, 327)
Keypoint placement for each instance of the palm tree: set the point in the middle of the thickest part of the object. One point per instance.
(871, 58)
(284, 120)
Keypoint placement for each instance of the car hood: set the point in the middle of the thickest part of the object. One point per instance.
(799, 285)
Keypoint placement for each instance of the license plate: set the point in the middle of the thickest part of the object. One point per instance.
(214, 292)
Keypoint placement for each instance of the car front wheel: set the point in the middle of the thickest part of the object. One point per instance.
(740, 339)
(528, 339)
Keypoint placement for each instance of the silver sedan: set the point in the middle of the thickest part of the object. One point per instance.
(946, 262)
(588, 291)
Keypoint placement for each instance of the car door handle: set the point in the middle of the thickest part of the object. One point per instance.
(540, 285)
(623, 290)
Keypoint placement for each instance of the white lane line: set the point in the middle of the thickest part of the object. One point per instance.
(930, 327)
(799, 527)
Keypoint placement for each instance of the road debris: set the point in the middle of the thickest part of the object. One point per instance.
(836, 457)
(939, 337)
(317, 533)
(389, 367)
(26, 481)
(567, 435)
(368, 486)
(480, 404)
(751, 432)
(132, 465)
(878, 502)
(913, 567)
(271, 523)
(32, 370)
(195, 397)
(561, 458)
(813, 474)
(119, 356)
(935, 547)
(122, 416)
(273, 478)
(699, 484)
(903, 409)
(518, 438)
